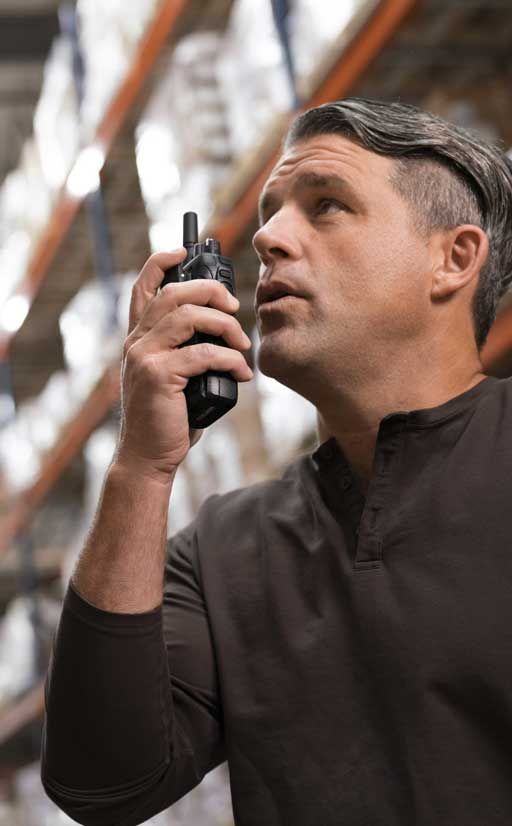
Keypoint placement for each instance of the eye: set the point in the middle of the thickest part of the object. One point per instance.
(324, 203)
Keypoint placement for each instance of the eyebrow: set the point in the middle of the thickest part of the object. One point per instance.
(307, 180)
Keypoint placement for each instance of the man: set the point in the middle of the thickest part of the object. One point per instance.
(342, 635)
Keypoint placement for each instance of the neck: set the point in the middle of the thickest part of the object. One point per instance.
(353, 415)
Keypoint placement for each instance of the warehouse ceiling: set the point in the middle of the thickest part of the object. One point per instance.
(451, 56)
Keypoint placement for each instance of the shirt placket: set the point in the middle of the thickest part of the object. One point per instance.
(380, 495)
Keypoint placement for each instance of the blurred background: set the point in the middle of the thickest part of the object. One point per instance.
(115, 118)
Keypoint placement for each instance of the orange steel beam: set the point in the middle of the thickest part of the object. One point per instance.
(67, 206)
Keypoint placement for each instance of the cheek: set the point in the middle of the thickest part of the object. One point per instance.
(397, 266)
(380, 282)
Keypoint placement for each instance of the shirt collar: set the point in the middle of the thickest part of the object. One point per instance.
(424, 417)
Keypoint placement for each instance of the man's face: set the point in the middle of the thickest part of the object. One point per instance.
(333, 230)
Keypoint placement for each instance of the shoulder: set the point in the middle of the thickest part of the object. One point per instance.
(233, 518)
(245, 506)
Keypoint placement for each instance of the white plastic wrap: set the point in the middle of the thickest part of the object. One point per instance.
(29, 192)
(192, 93)
(17, 641)
(36, 208)
(20, 461)
(90, 346)
(252, 74)
(217, 101)
(36, 428)
(87, 336)
(109, 35)
(314, 28)
(56, 124)
(196, 194)
(182, 145)
(15, 251)
(25, 206)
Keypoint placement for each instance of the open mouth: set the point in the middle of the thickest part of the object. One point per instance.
(278, 302)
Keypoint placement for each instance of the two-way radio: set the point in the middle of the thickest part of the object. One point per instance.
(212, 394)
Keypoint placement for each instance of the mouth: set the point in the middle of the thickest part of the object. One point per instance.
(275, 293)
(278, 303)
(277, 300)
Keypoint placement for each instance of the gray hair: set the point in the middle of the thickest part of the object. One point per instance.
(448, 175)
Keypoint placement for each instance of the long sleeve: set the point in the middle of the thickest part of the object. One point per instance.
(132, 717)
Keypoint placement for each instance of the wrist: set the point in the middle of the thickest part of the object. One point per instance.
(136, 469)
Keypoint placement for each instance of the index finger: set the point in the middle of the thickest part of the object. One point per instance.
(149, 279)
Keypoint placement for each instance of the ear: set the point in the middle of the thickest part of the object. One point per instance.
(460, 255)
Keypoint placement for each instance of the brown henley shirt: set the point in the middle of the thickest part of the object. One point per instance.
(350, 658)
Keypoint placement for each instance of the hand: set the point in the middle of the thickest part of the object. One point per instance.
(155, 435)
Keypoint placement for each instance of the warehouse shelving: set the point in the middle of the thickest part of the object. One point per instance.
(236, 210)
(228, 225)
(67, 205)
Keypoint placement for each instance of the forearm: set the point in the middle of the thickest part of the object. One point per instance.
(121, 566)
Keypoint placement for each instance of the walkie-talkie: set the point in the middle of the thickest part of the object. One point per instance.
(212, 394)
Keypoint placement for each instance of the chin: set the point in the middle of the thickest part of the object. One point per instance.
(279, 361)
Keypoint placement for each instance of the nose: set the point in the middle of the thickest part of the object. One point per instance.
(276, 239)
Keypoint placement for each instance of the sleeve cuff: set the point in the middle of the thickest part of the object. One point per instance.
(111, 620)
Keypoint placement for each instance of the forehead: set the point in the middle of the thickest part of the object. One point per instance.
(333, 154)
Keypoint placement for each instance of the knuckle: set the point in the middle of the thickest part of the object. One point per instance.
(186, 311)
(190, 354)
(129, 351)
(169, 292)
(206, 349)
(149, 365)
(186, 315)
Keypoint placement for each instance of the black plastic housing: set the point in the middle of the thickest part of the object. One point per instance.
(212, 394)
